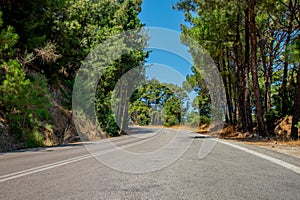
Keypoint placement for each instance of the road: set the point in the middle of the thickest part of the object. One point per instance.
(97, 170)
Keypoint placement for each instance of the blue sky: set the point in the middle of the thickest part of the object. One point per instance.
(159, 13)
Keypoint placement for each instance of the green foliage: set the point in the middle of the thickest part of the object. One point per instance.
(78, 27)
(298, 125)
(122, 16)
(193, 119)
(31, 20)
(140, 113)
(107, 84)
(14, 86)
(200, 113)
(157, 104)
(8, 39)
(51, 39)
(24, 101)
(173, 111)
(33, 139)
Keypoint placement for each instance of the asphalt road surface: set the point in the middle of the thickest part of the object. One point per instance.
(150, 164)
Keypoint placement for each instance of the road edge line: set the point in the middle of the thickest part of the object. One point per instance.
(282, 163)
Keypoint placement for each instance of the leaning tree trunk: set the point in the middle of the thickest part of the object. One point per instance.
(124, 121)
(296, 114)
(257, 93)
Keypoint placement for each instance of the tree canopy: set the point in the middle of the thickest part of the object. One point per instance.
(43, 44)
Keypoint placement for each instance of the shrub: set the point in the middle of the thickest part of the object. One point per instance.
(25, 102)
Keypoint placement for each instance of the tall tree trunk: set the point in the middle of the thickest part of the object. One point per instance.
(227, 93)
(230, 95)
(296, 114)
(232, 90)
(293, 8)
(268, 69)
(247, 103)
(269, 74)
(257, 93)
(240, 74)
(285, 77)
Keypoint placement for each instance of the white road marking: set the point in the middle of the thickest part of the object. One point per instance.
(42, 168)
(34, 170)
(39, 167)
(282, 163)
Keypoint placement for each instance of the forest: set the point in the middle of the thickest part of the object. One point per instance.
(254, 44)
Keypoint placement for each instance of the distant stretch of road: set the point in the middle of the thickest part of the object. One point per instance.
(97, 170)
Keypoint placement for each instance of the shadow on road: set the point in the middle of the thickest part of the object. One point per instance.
(44, 149)
(139, 130)
(202, 137)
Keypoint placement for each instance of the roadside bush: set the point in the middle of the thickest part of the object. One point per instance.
(193, 119)
(33, 139)
(25, 102)
(171, 121)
